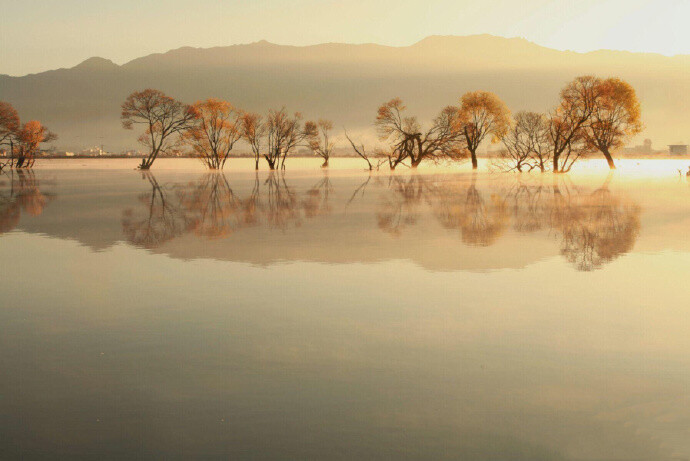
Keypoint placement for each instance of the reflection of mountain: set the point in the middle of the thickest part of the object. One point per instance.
(341, 82)
(20, 193)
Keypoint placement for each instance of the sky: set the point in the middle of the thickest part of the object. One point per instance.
(38, 35)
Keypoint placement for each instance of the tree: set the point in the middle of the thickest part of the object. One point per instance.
(283, 133)
(163, 118)
(407, 140)
(9, 123)
(482, 114)
(319, 141)
(567, 122)
(615, 117)
(27, 143)
(362, 152)
(253, 131)
(215, 131)
(526, 145)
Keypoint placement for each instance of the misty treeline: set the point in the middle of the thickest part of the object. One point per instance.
(593, 115)
(21, 141)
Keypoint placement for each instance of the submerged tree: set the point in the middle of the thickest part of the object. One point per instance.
(9, 125)
(253, 131)
(214, 132)
(277, 136)
(615, 117)
(526, 144)
(27, 142)
(319, 141)
(567, 122)
(482, 115)
(163, 118)
(361, 152)
(407, 140)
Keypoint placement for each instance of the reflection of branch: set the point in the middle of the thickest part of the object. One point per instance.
(362, 187)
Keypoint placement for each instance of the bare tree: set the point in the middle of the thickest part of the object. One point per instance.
(482, 114)
(163, 118)
(253, 132)
(362, 153)
(284, 133)
(567, 122)
(443, 139)
(214, 132)
(526, 144)
(319, 141)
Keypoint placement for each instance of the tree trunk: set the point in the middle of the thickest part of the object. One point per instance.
(325, 164)
(555, 164)
(609, 159)
(475, 164)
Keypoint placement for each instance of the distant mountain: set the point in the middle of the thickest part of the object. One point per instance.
(344, 82)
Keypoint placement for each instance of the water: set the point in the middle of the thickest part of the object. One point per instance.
(313, 315)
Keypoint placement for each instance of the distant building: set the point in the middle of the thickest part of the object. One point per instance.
(678, 149)
(644, 149)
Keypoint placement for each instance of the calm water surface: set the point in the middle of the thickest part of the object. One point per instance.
(314, 315)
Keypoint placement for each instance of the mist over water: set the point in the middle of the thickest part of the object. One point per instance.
(311, 314)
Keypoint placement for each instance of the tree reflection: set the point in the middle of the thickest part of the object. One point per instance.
(157, 221)
(595, 228)
(210, 208)
(317, 200)
(21, 193)
(591, 227)
(399, 208)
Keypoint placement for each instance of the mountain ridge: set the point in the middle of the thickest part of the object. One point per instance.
(343, 82)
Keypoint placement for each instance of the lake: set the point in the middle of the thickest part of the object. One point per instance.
(439, 314)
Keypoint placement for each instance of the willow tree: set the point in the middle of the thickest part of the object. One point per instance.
(9, 122)
(215, 131)
(162, 117)
(253, 131)
(526, 144)
(406, 138)
(319, 141)
(615, 117)
(27, 142)
(482, 115)
(567, 122)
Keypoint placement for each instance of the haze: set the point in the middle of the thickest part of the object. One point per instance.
(39, 35)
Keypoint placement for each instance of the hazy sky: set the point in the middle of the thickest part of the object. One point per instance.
(37, 35)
